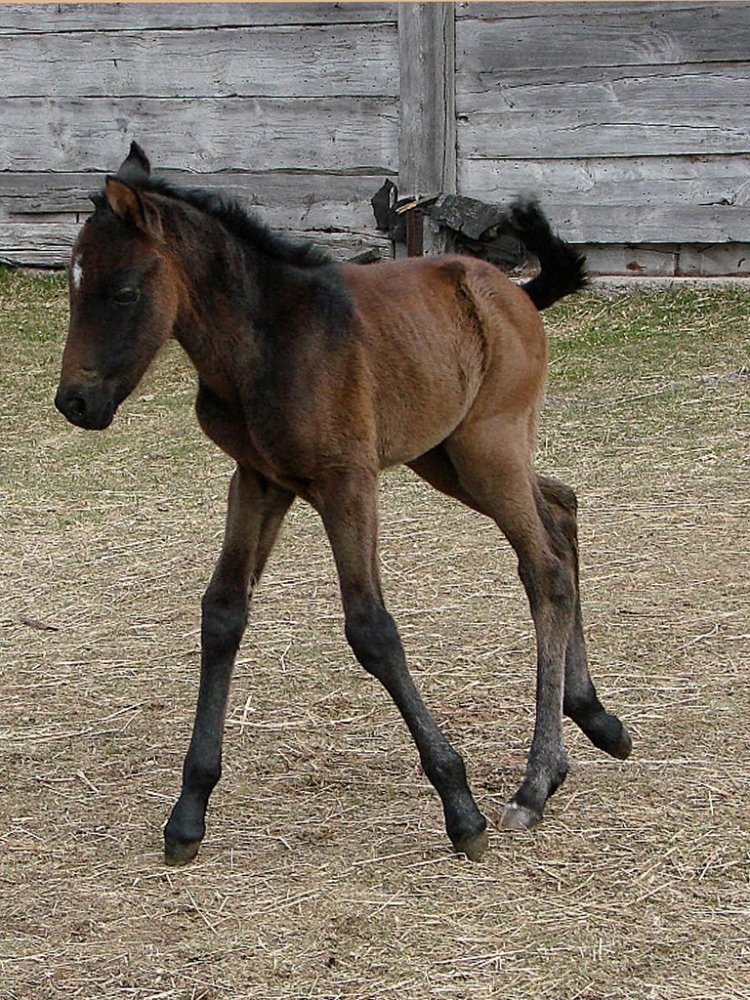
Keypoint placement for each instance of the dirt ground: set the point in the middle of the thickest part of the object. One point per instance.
(326, 872)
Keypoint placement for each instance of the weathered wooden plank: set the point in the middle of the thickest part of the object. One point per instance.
(427, 147)
(284, 200)
(529, 89)
(494, 10)
(37, 245)
(53, 18)
(649, 262)
(651, 223)
(344, 246)
(49, 244)
(613, 181)
(512, 135)
(283, 61)
(729, 258)
(690, 94)
(340, 135)
(513, 39)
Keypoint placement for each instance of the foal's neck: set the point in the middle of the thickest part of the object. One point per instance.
(246, 296)
(219, 299)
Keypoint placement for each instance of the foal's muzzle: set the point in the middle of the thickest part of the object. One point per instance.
(88, 406)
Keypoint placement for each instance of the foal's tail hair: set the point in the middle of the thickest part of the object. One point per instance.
(563, 269)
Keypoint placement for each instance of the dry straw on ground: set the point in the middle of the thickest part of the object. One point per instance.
(326, 873)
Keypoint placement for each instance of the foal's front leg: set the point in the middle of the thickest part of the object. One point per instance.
(254, 515)
(348, 506)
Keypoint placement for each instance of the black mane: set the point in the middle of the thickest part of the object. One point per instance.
(236, 219)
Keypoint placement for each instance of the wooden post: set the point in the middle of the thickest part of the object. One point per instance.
(427, 143)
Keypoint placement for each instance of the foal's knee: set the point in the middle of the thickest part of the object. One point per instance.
(223, 622)
(551, 583)
(374, 639)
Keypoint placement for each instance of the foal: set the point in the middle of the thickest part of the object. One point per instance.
(314, 376)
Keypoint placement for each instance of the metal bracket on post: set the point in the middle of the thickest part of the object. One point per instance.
(412, 209)
(414, 233)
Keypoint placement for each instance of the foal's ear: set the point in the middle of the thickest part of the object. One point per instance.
(128, 205)
(135, 166)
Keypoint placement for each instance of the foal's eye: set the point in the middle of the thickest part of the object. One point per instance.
(126, 296)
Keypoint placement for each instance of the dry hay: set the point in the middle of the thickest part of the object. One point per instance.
(326, 872)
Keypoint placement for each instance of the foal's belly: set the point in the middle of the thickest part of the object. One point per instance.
(426, 398)
(420, 417)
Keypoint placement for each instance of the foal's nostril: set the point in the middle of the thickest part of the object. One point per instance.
(71, 405)
(76, 407)
(90, 407)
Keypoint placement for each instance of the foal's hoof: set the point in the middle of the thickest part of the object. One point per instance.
(622, 749)
(179, 852)
(608, 734)
(517, 817)
(473, 845)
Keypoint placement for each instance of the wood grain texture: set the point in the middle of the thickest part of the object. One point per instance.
(300, 201)
(48, 244)
(292, 108)
(340, 135)
(427, 134)
(550, 37)
(650, 224)
(688, 93)
(53, 19)
(298, 61)
(677, 261)
(630, 121)
(614, 181)
(692, 198)
(503, 137)
(427, 150)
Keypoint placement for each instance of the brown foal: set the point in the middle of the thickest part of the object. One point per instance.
(314, 376)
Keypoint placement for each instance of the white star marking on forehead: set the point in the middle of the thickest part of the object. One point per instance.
(76, 272)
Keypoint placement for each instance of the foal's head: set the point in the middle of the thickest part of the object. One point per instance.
(123, 293)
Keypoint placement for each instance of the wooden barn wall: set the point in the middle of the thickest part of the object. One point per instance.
(294, 107)
(631, 121)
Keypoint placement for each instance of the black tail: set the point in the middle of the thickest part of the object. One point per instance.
(563, 269)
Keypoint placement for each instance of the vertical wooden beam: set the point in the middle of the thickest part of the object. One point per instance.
(427, 142)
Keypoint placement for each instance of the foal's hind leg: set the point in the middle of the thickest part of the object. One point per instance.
(348, 506)
(581, 703)
(255, 512)
(493, 467)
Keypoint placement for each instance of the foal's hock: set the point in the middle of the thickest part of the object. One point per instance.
(313, 376)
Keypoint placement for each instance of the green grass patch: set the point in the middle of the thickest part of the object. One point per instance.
(639, 339)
